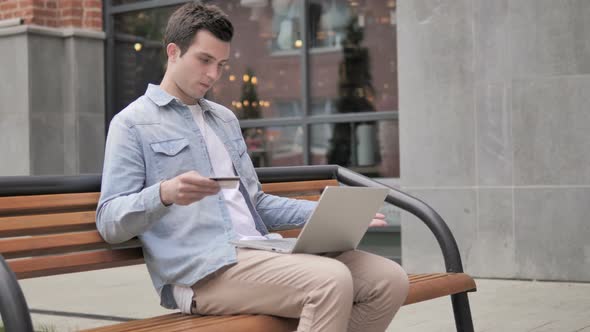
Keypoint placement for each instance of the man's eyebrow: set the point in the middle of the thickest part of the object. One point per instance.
(209, 56)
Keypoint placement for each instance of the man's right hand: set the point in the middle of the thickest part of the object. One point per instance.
(187, 188)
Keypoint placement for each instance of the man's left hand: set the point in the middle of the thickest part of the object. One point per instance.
(378, 221)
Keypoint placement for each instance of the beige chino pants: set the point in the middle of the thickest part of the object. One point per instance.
(352, 291)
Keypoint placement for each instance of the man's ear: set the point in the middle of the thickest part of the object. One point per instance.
(173, 52)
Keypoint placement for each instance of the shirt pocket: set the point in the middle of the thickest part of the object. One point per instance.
(172, 157)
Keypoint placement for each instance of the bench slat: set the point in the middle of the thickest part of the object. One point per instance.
(153, 321)
(144, 324)
(179, 322)
(187, 324)
(308, 197)
(51, 244)
(26, 205)
(47, 223)
(58, 264)
(419, 277)
(431, 286)
(283, 188)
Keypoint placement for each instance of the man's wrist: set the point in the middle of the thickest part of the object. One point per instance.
(163, 191)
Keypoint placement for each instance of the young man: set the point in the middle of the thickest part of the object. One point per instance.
(161, 151)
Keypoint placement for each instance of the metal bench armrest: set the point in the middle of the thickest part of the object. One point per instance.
(406, 202)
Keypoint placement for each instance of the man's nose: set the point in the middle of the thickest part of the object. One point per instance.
(213, 73)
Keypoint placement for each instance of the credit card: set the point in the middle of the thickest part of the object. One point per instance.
(227, 182)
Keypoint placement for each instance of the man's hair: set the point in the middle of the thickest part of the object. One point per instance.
(187, 20)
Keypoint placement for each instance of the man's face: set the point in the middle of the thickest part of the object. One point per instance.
(199, 67)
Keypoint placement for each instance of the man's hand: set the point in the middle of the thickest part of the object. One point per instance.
(187, 188)
(378, 221)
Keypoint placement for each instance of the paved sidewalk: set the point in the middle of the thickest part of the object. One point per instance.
(65, 303)
(506, 306)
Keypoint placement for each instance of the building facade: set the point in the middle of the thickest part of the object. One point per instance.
(494, 127)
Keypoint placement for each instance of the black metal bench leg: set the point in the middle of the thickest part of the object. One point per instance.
(462, 312)
(13, 306)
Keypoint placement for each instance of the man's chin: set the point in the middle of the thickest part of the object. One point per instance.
(195, 96)
(198, 94)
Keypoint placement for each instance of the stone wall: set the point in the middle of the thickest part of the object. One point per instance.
(85, 14)
(494, 127)
(51, 100)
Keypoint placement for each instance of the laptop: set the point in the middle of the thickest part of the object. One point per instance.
(337, 224)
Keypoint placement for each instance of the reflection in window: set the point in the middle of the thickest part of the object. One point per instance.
(368, 147)
(353, 56)
(275, 146)
(257, 83)
(328, 22)
(139, 56)
(285, 25)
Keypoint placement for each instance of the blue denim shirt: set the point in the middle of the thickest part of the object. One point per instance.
(156, 138)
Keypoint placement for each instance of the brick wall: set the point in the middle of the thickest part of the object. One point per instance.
(85, 14)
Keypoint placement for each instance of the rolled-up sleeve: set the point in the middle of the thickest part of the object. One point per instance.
(126, 207)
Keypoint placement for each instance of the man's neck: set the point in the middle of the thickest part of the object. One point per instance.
(170, 87)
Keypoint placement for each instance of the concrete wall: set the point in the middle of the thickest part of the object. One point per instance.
(14, 106)
(51, 101)
(494, 130)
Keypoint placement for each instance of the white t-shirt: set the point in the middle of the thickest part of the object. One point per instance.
(240, 215)
(238, 210)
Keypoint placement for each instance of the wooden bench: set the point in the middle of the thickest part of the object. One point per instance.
(47, 227)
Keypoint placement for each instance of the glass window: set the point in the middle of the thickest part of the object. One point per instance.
(352, 70)
(275, 146)
(139, 56)
(259, 81)
(353, 56)
(371, 148)
(124, 2)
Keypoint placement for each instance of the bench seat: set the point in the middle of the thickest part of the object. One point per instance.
(423, 287)
(181, 322)
(51, 234)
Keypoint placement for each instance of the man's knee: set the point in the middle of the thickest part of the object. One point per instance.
(394, 280)
(335, 279)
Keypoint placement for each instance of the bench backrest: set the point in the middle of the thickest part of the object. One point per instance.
(45, 235)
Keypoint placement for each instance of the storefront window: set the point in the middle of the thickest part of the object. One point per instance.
(367, 147)
(258, 83)
(139, 56)
(353, 56)
(341, 110)
(275, 146)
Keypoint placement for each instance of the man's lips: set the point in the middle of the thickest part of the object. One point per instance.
(205, 85)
